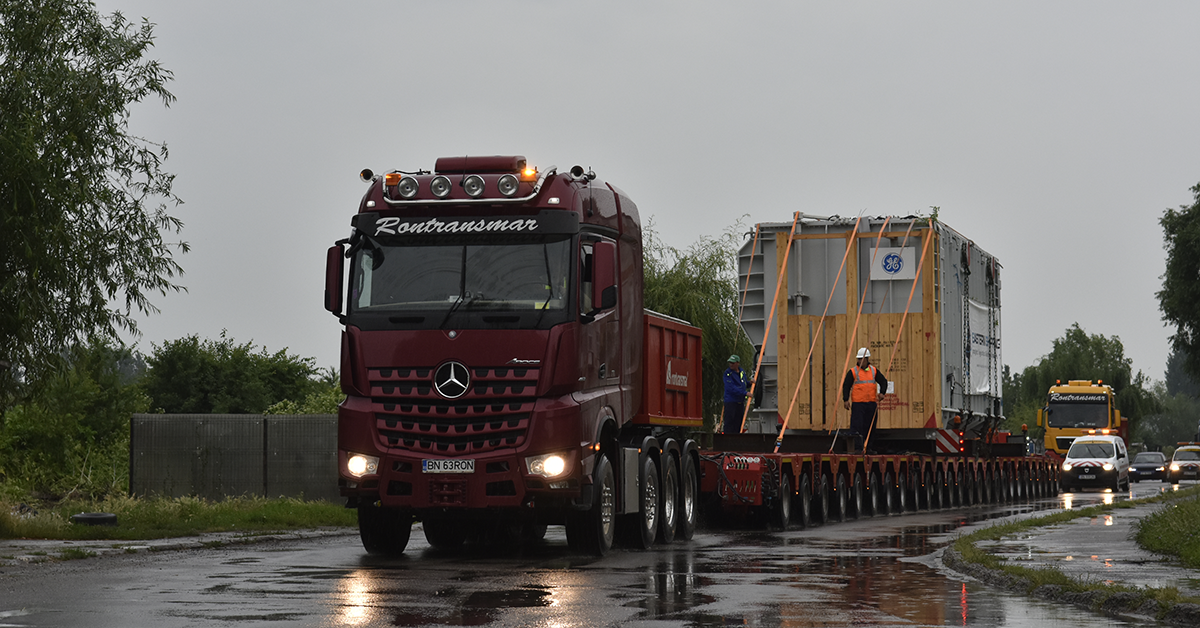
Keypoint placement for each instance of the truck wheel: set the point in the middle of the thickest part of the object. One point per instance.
(804, 500)
(930, 489)
(889, 494)
(444, 533)
(781, 515)
(668, 516)
(592, 530)
(822, 497)
(939, 489)
(641, 527)
(873, 502)
(688, 508)
(384, 531)
(902, 493)
(843, 497)
(859, 496)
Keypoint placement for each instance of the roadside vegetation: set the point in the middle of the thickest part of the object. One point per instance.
(1174, 531)
(1033, 578)
(156, 518)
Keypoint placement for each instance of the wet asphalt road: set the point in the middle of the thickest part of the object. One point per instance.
(872, 572)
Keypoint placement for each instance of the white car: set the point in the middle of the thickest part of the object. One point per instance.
(1185, 464)
(1096, 461)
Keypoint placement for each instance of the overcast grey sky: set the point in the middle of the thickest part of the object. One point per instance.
(1053, 134)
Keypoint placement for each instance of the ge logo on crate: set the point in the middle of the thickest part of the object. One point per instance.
(892, 263)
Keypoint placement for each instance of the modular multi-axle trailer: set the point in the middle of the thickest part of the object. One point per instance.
(501, 375)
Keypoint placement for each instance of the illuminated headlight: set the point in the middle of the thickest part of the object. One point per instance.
(359, 465)
(407, 187)
(473, 185)
(1174, 466)
(1108, 466)
(1066, 466)
(1160, 468)
(508, 185)
(440, 186)
(547, 466)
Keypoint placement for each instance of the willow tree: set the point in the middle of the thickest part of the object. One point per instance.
(83, 203)
(1180, 293)
(699, 284)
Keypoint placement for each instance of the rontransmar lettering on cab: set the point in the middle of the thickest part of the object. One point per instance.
(392, 225)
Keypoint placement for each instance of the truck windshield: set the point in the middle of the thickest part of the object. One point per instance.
(1078, 415)
(1092, 450)
(517, 277)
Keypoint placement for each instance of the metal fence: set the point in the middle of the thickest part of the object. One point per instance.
(224, 455)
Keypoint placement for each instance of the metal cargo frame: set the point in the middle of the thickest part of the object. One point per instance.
(932, 367)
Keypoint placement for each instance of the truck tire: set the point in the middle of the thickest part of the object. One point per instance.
(822, 498)
(873, 501)
(930, 488)
(902, 492)
(592, 530)
(842, 493)
(781, 514)
(384, 531)
(859, 497)
(804, 500)
(444, 533)
(668, 515)
(889, 494)
(689, 509)
(939, 489)
(641, 527)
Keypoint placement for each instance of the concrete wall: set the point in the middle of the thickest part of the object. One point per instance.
(219, 455)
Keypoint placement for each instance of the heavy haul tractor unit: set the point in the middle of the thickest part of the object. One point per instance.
(925, 301)
(500, 372)
(1080, 408)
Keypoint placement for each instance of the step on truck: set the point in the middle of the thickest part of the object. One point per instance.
(500, 372)
(925, 301)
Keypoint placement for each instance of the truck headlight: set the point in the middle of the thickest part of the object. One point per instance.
(1066, 466)
(359, 465)
(1108, 466)
(547, 465)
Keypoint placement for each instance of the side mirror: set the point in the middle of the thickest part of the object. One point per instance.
(1040, 416)
(333, 278)
(604, 278)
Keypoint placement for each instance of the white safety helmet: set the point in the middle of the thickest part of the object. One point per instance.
(863, 353)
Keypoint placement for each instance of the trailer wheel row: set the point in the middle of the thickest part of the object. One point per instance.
(841, 495)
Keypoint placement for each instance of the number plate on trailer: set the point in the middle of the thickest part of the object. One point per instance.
(448, 465)
(1087, 476)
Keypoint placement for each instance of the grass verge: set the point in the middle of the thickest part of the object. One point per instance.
(156, 518)
(1173, 531)
(1032, 579)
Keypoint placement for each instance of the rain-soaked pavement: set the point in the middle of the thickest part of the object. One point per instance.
(872, 572)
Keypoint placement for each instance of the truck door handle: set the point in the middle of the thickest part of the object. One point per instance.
(603, 369)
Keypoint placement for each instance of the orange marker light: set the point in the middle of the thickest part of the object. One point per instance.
(529, 173)
(391, 178)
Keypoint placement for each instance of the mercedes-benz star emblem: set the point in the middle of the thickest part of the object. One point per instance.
(452, 380)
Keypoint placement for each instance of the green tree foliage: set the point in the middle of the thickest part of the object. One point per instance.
(1180, 295)
(191, 375)
(1177, 379)
(324, 399)
(83, 204)
(72, 438)
(699, 285)
(1078, 355)
(1175, 420)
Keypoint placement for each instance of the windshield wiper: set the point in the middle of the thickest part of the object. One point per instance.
(549, 286)
(460, 301)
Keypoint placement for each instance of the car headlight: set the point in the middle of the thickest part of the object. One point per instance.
(359, 465)
(1174, 466)
(1108, 466)
(1160, 468)
(1066, 466)
(547, 465)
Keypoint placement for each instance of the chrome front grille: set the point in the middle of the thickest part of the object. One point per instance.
(494, 412)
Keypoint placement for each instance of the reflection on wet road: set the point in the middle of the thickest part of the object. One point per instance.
(871, 572)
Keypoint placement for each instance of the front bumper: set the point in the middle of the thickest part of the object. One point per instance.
(1089, 477)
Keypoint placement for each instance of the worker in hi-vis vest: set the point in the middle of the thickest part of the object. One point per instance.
(862, 390)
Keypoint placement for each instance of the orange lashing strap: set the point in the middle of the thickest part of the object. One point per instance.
(813, 344)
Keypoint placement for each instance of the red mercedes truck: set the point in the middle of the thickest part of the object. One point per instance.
(500, 372)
